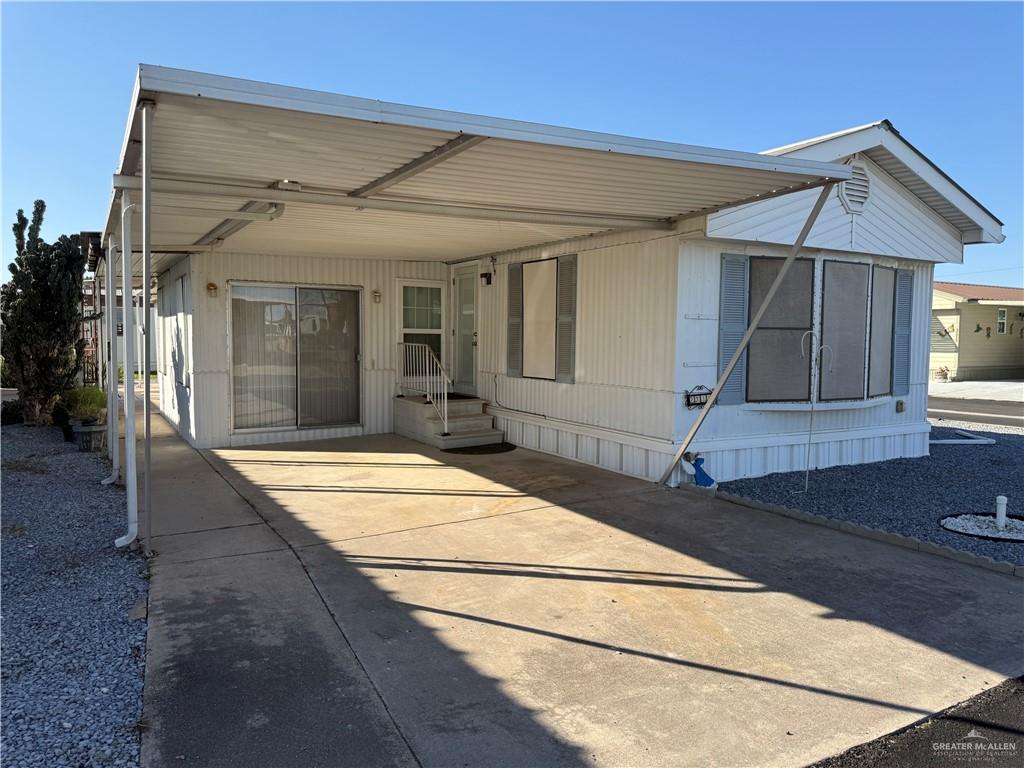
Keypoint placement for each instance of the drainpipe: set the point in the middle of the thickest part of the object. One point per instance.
(113, 431)
(754, 321)
(130, 478)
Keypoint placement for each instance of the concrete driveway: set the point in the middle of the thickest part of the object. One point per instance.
(373, 601)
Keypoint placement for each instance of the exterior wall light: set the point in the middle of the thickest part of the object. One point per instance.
(376, 296)
(211, 290)
(485, 278)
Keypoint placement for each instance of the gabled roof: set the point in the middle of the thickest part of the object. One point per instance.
(973, 292)
(888, 149)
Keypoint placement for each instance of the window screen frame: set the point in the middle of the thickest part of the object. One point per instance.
(871, 331)
(232, 430)
(751, 310)
(866, 354)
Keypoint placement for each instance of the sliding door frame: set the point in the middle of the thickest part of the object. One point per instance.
(231, 356)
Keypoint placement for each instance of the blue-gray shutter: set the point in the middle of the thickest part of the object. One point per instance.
(732, 324)
(565, 325)
(514, 343)
(903, 304)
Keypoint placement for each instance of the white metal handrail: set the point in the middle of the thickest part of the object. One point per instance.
(421, 371)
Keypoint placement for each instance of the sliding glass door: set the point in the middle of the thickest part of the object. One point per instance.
(295, 356)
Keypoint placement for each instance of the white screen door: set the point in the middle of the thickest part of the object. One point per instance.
(465, 330)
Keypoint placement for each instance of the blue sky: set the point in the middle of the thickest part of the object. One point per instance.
(741, 76)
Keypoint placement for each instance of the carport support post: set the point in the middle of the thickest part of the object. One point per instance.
(754, 322)
(113, 432)
(147, 209)
(130, 476)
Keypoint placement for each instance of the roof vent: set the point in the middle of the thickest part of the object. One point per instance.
(854, 191)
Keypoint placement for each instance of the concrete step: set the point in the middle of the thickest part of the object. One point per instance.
(467, 439)
(460, 407)
(460, 424)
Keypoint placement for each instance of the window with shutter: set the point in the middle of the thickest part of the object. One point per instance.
(844, 313)
(732, 324)
(565, 329)
(514, 341)
(901, 332)
(880, 354)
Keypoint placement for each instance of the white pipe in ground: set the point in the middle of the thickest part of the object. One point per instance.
(1001, 513)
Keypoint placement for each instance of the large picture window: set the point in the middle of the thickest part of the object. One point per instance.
(541, 341)
(295, 356)
(864, 324)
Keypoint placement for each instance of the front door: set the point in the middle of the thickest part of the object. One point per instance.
(464, 331)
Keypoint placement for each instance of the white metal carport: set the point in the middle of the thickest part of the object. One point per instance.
(287, 171)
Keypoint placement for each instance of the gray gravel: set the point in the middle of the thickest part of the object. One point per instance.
(910, 496)
(72, 660)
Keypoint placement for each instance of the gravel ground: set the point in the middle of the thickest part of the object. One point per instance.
(72, 660)
(910, 496)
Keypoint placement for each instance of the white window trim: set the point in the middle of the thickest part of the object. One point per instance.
(231, 357)
(401, 330)
(1002, 316)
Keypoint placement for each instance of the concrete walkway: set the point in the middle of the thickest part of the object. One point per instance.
(373, 601)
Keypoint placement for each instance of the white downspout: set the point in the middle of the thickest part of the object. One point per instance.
(130, 479)
(113, 431)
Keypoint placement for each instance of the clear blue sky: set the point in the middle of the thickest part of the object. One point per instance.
(739, 76)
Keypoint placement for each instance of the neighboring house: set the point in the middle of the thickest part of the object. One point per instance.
(977, 332)
(579, 284)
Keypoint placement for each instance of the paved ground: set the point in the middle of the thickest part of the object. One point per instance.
(1006, 391)
(988, 730)
(1004, 412)
(373, 601)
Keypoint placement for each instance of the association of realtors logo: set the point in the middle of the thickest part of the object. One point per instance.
(975, 747)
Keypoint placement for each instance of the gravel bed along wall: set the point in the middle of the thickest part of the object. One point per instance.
(72, 661)
(910, 496)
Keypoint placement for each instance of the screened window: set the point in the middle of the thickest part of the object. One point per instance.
(1001, 320)
(844, 309)
(295, 356)
(883, 287)
(421, 316)
(776, 371)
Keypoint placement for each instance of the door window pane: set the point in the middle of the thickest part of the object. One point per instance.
(328, 356)
(263, 356)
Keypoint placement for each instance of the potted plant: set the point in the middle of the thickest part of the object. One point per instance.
(87, 407)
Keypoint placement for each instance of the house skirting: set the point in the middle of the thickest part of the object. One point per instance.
(726, 458)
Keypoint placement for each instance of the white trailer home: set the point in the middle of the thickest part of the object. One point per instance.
(328, 266)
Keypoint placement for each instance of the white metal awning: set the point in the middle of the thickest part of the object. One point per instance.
(328, 175)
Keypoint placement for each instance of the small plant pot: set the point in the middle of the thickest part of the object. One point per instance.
(92, 438)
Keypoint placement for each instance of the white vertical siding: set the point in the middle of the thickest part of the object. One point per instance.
(625, 337)
(176, 397)
(212, 373)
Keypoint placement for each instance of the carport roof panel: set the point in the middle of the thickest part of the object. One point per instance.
(324, 136)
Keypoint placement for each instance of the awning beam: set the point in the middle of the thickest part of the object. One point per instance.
(271, 195)
(428, 160)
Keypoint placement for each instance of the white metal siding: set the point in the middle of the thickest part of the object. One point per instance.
(211, 377)
(892, 223)
(176, 399)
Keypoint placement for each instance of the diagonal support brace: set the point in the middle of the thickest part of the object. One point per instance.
(754, 322)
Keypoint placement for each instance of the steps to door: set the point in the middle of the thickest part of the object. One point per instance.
(468, 422)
